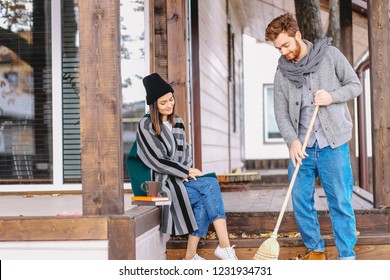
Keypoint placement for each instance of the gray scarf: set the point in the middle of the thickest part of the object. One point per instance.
(295, 71)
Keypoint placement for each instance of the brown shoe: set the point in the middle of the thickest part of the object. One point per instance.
(314, 256)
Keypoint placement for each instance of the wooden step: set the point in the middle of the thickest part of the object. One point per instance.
(274, 177)
(367, 221)
(238, 177)
(247, 231)
(237, 182)
(368, 247)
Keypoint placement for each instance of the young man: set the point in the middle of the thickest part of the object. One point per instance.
(308, 75)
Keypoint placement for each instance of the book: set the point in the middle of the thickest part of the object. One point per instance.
(212, 174)
(150, 203)
(150, 198)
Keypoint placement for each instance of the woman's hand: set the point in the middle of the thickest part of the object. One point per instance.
(193, 173)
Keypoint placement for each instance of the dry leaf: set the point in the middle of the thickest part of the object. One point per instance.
(211, 235)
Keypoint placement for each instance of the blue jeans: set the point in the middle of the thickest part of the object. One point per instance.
(333, 167)
(206, 201)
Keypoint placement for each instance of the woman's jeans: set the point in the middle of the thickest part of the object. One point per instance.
(206, 201)
(333, 167)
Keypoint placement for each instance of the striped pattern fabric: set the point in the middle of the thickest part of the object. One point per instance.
(169, 156)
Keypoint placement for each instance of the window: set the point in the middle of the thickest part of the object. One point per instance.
(30, 152)
(133, 68)
(25, 92)
(271, 131)
(70, 93)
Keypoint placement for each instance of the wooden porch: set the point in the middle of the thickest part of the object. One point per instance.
(51, 226)
(25, 219)
(252, 214)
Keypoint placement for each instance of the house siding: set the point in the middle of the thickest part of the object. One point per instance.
(221, 146)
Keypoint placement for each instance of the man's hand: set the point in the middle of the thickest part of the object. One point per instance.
(322, 98)
(193, 172)
(296, 153)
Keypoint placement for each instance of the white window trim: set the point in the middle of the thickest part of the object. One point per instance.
(57, 93)
(266, 109)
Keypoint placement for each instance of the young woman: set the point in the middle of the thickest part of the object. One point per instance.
(196, 198)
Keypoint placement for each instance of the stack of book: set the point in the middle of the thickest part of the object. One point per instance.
(150, 200)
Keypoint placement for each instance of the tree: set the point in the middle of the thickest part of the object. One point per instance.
(334, 22)
(309, 19)
(15, 18)
(308, 14)
(15, 15)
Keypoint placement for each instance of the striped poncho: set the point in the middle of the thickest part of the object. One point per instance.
(169, 156)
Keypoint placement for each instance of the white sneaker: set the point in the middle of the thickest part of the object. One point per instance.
(226, 253)
(196, 257)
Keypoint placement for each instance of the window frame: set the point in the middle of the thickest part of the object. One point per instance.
(269, 115)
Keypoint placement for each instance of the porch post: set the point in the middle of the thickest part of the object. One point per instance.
(379, 41)
(101, 107)
(346, 46)
(177, 55)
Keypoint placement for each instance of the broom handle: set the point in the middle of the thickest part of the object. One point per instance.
(313, 118)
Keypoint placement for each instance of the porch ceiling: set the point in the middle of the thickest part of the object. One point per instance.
(254, 16)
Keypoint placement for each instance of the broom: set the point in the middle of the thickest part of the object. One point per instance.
(269, 250)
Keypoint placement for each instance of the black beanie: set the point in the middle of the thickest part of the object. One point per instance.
(155, 87)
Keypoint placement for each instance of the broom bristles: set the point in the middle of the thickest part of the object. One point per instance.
(269, 250)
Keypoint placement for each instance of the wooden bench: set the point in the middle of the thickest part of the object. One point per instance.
(112, 237)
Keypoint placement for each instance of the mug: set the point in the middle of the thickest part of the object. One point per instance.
(151, 188)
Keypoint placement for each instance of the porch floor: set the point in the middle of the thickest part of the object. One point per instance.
(270, 199)
(264, 199)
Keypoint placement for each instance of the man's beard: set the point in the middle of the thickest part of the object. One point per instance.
(295, 53)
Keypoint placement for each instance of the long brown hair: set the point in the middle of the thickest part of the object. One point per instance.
(156, 117)
(284, 23)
